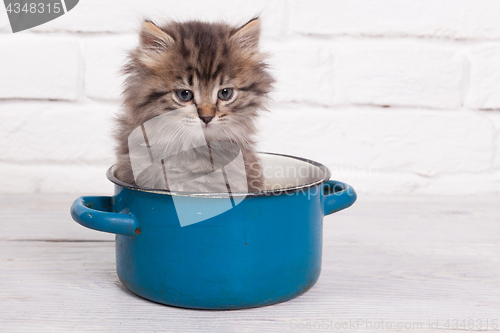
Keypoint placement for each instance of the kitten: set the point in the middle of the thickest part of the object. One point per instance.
(185, 79)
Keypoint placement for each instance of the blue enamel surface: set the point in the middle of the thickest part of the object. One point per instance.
(97, 213)
(338, 196)
(265, 250)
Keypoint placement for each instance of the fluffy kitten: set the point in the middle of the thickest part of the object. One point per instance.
(215, 79)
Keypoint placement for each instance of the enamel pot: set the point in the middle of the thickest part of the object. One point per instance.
(221, 250)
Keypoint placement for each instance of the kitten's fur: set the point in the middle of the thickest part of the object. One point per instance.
(203, 58)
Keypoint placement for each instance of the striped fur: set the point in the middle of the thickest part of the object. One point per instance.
(204, 58)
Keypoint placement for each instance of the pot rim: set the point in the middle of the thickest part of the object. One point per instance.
(326, 176)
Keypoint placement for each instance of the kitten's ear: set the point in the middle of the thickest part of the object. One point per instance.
(152, 37)
(248, 35)
(153, 41)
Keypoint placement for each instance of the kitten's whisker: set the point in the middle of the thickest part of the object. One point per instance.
(176, 139)
(240, 135)
(171, 134)
(235, 138)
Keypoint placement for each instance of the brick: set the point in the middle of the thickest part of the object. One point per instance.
(405, 73)
(375, 140)
(126, 15)
(104, 58)
(36, 67)
(56, 133)
(484, 85)
(436, 18)
(303, 71)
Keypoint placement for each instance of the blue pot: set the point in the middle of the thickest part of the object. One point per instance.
(265, 249)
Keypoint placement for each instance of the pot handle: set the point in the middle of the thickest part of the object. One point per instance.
(338, 196)
(97, 213)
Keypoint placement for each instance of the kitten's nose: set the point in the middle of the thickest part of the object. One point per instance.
(206, 120)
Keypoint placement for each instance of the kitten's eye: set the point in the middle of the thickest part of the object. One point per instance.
(184, 95)
(225, 94)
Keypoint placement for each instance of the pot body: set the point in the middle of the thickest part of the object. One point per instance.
(264, 250)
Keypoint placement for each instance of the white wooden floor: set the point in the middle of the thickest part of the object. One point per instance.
(423, 263)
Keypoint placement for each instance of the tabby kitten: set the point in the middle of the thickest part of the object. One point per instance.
(213, 77)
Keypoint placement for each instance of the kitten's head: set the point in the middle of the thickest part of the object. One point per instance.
(213, 67)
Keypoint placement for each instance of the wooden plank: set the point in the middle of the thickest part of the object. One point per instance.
(401, 260)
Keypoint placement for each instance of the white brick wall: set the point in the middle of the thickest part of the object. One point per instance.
(399, 73)
(394, 96)
(122, 16)
(484, 92)
(420, 141)
(295, 65)
(36, 67)
(104, 57)
(457, 19)
(57, 133)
